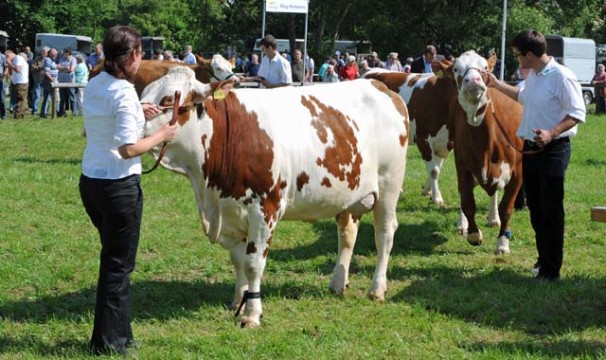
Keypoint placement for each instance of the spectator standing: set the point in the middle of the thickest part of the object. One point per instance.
(169, 56)
(374, 61)
(330, 75)
(275, 70)
(3, 74)
(408, 65)
(393, 63)
(37, 70)
(350, 70)
(364, 67)
(67, 96)
(80, 77)
(50, 76)
(553, 107)
(422, 64)
(298, 68)
(189, 57)
(19, 81)
(600, 92)
(310, 64)
(252, 67)
(95, 57)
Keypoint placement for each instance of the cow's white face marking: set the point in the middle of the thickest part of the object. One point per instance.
(467, 70)
(221, 69)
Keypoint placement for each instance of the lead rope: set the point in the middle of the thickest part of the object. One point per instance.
(172, 122)
(502, 129)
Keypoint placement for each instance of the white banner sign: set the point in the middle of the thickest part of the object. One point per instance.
(287, 6)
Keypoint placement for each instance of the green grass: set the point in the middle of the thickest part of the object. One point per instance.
(446, 299)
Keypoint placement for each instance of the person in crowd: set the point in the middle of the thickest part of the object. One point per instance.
(408, 65)
(350, 70)
(29, 54)
(338, 61)
(599, 80)
(3, 74)
(50, 76)
(393, 63)
(275, 70)
(95, 57)
(298, 68)
(189, 57)
(158, 55)
(252, 66)
(80, 77)
(169, 56)
(363, 67)
(422, 64)
(553, 107)
(67, 96)
(374, 61)
(19, 70)
(310, 64)
(322, 69)
(37, 71)
(110, 183)
(331, 74)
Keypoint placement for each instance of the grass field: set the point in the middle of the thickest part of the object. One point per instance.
(446, 299)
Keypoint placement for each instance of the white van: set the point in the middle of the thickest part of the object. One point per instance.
(579, 55)
(77, 43)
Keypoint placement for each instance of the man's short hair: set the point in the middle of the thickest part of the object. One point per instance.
(530, 40)
(430, 49)
(269, 41)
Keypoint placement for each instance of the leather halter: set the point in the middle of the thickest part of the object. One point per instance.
(172, 122)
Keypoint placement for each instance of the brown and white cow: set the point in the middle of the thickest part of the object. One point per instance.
(428, 98)
(255, 157)
(487, 150)
(207, 71)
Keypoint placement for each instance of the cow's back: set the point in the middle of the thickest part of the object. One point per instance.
(328, 144)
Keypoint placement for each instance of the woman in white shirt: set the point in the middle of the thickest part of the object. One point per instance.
(110, 181)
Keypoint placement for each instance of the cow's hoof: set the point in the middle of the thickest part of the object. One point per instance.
(462, 231)
(502, 246)
(377, 296)
(246, 322)
(338, 290)
(475, 239)
(494, 223)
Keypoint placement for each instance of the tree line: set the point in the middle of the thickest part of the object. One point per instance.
(403, 26)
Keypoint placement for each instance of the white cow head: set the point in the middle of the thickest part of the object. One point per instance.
(162, 93)
(472, 90)
(221, 69)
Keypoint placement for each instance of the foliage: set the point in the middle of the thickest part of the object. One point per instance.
(401, 26)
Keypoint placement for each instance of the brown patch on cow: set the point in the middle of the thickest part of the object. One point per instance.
(343, 159)
(302, 180)
(413, 80)
(265, 252)
(203, 140)
(326, 182)
(251, 248)
(239, 156)
(247, 201)
(392, 80)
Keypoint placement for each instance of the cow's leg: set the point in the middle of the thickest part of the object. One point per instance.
(347, 229)
(468, 207)
(260, 232)
(493, 211)
(433, 173)
(385, 224)
(462, 224)
(505, 210)
(237, 254)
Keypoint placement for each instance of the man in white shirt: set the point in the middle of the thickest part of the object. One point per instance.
(275, 70)
(553, 107)
(19, 70)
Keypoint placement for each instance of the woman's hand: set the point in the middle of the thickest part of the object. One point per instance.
(151, 110)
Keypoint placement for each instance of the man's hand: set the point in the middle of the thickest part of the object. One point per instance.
(543, 137)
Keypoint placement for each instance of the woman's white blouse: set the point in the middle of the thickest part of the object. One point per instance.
(113, 116)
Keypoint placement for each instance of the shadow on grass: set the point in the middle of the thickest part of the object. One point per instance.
(548, 349)
(409, 238)
(32, 160)
(505, 299)
(67, 348)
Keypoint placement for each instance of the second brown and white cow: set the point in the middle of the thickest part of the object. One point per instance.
(255, 157)
(487, 150)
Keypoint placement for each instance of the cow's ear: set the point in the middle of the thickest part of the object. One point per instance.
(492, 61)
(221, 89)
(442, 68)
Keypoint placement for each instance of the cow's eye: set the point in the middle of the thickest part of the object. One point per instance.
(167, 100)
